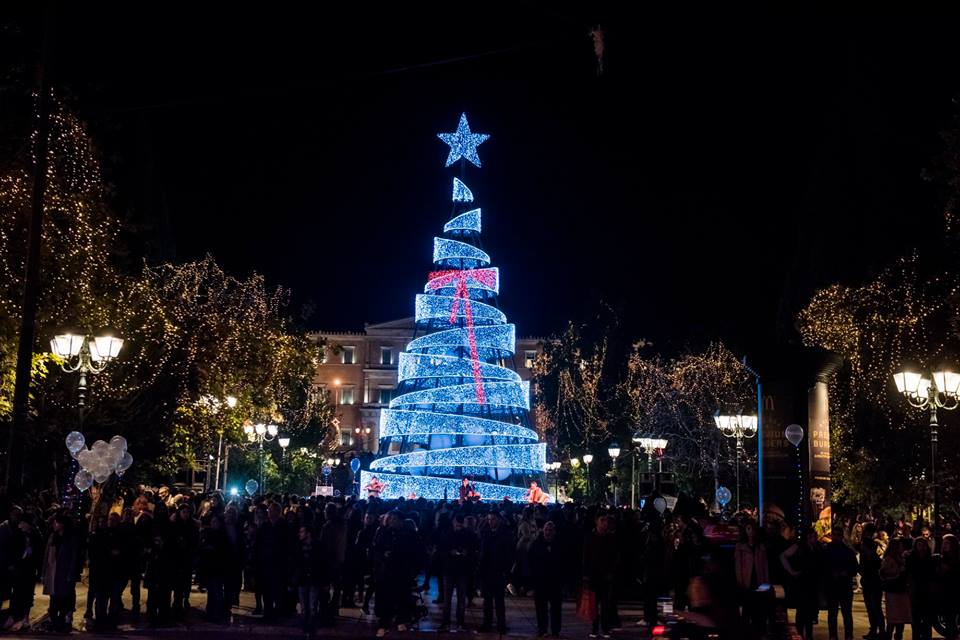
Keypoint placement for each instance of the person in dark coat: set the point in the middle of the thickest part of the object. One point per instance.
(212, 566)
(948, 581)
(184, 537)
(309, 577)
(459, 563)
(333, 546)
(271, 562)
(803, 562)
(61, 565)
(547, 570)
(26, 564)
(236, 557)
(921, 573)
(840, 570)
(107, 551)
(142, 538)
(496, 559)
(870, 561)
(362, 552)
(600, 560)
(390, 570)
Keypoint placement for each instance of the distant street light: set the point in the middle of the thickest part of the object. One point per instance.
(257, 434)
(614, 451)
(587, 459)
(737, 426)
(940, 391)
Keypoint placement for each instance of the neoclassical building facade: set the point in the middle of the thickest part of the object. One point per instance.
(359, 372)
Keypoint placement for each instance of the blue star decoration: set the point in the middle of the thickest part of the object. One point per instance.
(463, 143)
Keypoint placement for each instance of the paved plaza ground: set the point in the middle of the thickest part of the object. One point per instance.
(352, 623)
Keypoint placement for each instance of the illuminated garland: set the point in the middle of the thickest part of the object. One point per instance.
(458, 410)
(460, 192)
(469, 221)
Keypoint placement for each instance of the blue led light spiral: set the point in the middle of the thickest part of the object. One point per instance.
(459, 410)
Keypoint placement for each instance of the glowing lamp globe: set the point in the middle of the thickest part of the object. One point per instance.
(748, 425)
(273, 429)
(284, 442)
(908, 382)
(66, 345)
(105, 348)
(947, 382)
(614, 450)
(231, 402)
(260, 429)
(588, 458)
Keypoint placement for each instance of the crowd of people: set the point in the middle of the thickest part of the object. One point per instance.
(308, 558)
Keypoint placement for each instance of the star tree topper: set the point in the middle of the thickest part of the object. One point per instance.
(463, 143)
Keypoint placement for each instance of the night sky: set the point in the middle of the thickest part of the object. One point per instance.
(721, 169)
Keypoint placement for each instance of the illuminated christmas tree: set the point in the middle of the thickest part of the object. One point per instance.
(459, 411)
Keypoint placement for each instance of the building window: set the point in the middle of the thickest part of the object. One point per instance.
(346, 395)
(346, 356)
(384, 395)
(386, 355)
(528, 358)
(346, 438)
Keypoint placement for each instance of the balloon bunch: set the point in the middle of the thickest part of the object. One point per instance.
(100, 460)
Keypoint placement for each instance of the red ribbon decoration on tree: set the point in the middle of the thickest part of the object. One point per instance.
(458, 279)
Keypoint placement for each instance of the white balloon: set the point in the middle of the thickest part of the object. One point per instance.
(83, 480)
(75, 442)
(112, 457)
(660, 504)
(125, 462)
(101, 477)
(99, 447)
(119, 441)
(84, 456)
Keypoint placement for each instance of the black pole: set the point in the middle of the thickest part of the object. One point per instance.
(934, 437)
(31, 288)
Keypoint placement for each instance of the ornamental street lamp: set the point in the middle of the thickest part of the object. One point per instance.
(85, 354)
(652, 447)
(587, 459)
(555, 468)
(614, 451)
(741, 427)
(940, 391)
(257, 434)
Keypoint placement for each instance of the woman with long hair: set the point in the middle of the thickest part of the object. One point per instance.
(893, 581)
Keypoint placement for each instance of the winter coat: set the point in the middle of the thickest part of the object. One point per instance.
(460, 553)
(751, 563)
(547, 563)
(61, 560)
(496, 553)
(895, 592)
(600, 557)
(839, 566)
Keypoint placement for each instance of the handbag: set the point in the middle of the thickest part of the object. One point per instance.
(586, 605)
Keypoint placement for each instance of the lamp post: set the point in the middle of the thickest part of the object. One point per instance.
(653, 447)
(284, 442)
(555, 468)
(737, 426)
(214, 404)
(587, 459)
(940, 391)
(614, 451)
(258, 434)
(85, 354)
